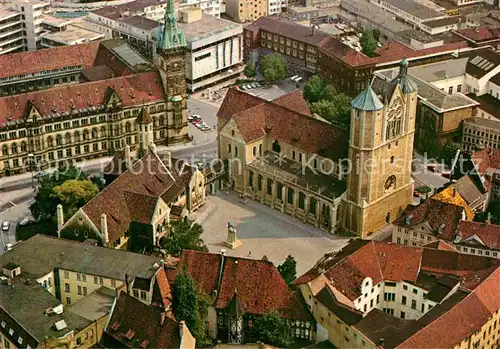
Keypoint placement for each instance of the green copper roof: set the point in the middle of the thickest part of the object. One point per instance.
(173, 36)
(367, 100)
(405, 82)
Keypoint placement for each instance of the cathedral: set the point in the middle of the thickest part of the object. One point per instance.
(355, 180)
(56, 118)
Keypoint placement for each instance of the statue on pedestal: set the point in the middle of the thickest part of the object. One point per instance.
(232, 241)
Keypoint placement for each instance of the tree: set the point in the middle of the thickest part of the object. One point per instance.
(250, 70)
(448, 152)
(272, 329)
(288, 269)
(337, 110)
(314, 88)
(493, 213)
(74, 193)
(368, 43)
(190, 304)
(184, 235)
(376, 34)
(46, 202)
(273, 67)
(328, 93)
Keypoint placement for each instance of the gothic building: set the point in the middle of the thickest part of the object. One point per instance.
(95, 114)
(379, 184)
(355, 180)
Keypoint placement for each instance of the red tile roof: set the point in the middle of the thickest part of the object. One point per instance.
(488, 233)
(133, 195)
(446, 324)
(284, 125)
(48, 59)
(294, 101)
(162, 293)
(288, 29)
(391, 52)
(257, 284)
(480, 34)
(435, 213)
(462, 320)
(133, 322)
(487, 158)
(132, 90)
(440, 245)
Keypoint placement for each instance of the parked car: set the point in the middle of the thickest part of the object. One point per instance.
(255, 84)
(5, 226)
(8, 247)
(432, 167)
(196, 117)
(243, 87)
(446, 174)
(190, 118)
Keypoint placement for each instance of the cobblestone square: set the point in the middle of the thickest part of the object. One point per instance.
(263, 231)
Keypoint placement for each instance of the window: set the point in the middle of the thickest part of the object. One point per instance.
(378, 299)
(403, 315)
(371, 303)
(422, 308)
(101, 281)
(389, 297)
(3, 324)
(113, 283)
(229, 148)
(136, 293)
(390, 284)
(84, 290)
(96, 280)
(67, 288)
(403, 300)
(11, 331)
(20, 340)
(415, 291)
(459, 88)
(364, 308)
(68, 300)
(79, 289)
(405, 287)
(66, 274)
(413, 304)
(78, 276)
(143, 295)
(84, 278)
(450, 90)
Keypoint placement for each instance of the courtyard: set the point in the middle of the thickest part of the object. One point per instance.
(263, 232)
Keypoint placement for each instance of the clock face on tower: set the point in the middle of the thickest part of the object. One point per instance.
(390, 182)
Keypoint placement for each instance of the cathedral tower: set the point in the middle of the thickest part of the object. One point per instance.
(379, 184)
(171, 61)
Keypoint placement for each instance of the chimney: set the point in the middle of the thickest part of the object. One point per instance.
(454, 191)
(104, 228)
(60, 219)
(487, 221)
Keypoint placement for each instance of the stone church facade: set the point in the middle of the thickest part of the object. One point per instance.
(354, 180)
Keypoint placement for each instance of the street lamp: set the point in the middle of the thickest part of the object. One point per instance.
(30, 159)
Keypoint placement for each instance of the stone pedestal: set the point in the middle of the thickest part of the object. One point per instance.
(232, 241)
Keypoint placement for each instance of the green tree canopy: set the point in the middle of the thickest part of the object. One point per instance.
(337, 110)
(190, 304)
(250, 70)
(288, 269)
(448, 152)
(74, 193)
(46, 200)
(273, 67)
(368, 42)
(184, 235)
(272, 329)
(314, 88)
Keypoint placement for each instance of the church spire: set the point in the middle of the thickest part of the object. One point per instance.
(405, 82)
(172, 36)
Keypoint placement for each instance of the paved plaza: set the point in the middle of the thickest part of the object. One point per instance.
(263, 231)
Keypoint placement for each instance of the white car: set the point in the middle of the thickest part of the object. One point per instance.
(8, 247)
(5, 226)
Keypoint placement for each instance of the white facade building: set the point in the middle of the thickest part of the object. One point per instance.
(214, 49)
(276, 6)
(11, 31)
(32, 14)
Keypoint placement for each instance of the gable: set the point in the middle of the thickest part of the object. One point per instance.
(474, 239)
(230, 127)
(33, 113)
(112, 99)
(79, 227)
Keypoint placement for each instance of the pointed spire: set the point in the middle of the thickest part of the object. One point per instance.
(173, 36)
(405, 82)
(367, 100)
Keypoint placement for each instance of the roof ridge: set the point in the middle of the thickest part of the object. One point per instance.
(471, 292)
